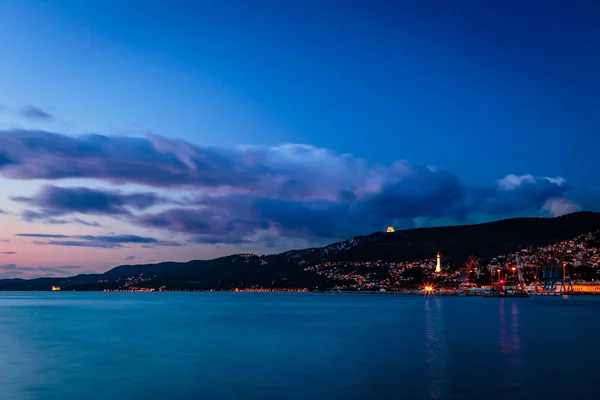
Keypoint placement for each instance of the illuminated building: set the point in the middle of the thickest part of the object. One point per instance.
(390, 229)
(438, 265)
(586, 287)
(55, 288)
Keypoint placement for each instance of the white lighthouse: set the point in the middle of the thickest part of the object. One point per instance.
(438, 265)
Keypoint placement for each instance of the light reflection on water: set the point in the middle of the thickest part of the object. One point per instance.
(293, 346)
(509, 341)
(434, 332)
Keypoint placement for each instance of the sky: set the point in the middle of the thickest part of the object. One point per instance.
(146, 131)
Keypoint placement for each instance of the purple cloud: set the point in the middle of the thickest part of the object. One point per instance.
(42, 235)
(69, 267)
(58, 270)
(10, 274)
(75, 243)
(8, 252)
(5, 159)
(35, 113)
(47, 217)
(257, 193)
(286, 171)
(129, 258)
(242, 218)
(13, 270)
(57, 201)
(101, 241)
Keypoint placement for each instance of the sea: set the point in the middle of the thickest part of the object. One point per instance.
(60, 345)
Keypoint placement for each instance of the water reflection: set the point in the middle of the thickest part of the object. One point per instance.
(15, 363)
(321, 347)
(510, 343)
(435, 357)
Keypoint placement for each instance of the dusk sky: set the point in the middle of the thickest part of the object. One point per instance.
(142, 131)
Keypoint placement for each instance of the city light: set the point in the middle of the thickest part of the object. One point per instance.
(428, 288)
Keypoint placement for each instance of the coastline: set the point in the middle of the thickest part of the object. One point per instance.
(359, 292)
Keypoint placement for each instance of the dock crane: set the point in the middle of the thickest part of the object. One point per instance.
(471, 265)
(519, 266)
(552, 278)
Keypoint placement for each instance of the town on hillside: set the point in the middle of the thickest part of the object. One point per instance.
(570, 266)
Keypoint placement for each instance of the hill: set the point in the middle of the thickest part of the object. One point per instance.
(287, 269)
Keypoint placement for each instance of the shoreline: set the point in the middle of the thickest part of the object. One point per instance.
(359, 292)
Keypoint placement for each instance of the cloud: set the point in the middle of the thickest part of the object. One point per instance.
(42, 235)
(260, 193)
(58, 270)
(512, 182)
(428, 198)
(288, 171)
(162, 243)
(35, 113)
(57, 201)
(14, 271)
(11, 274)
(8, 252)
(82, 222)
(129, 258)
(525, 194)
(69, 267)
(556, 207)
(101, 241)
(5, 159)
(46, 217)
(119, 239)
(76, 243)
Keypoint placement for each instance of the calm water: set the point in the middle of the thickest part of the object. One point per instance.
(296, 346)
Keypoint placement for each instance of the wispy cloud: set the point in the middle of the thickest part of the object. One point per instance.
(99, 241)
(42, 235)
(36, 113)
(15, 271)
(47, 217)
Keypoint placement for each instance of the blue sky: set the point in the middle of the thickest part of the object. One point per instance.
(384, 107)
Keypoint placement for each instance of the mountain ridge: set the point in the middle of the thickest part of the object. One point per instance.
(287, 269)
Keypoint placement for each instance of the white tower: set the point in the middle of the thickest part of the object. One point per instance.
(438, 265)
